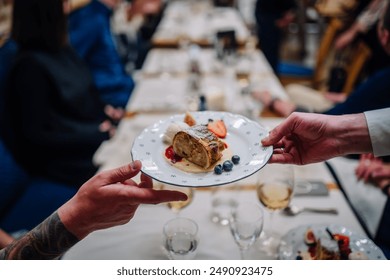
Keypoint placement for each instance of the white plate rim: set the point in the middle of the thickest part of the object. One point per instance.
(180, 178)
(358, 242)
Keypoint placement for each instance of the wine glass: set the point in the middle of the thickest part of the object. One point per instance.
(246, 224)
(176, 206)
(275, 188)
(180, 238)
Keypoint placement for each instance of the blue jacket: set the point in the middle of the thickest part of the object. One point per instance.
(372, 94)
(91, 37)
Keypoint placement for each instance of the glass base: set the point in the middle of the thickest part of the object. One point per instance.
(268, 245)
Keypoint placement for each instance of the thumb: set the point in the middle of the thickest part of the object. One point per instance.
(122, 173)
(274, 136)
(280, 131)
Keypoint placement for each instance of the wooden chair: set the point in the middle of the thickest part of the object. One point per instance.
(358, 59)
(325, 57)
(325, 51)
(317, 77)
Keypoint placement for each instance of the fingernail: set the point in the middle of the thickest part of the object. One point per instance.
(134, 165)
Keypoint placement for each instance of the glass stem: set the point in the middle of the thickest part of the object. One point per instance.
(242, 253)
(271, 222)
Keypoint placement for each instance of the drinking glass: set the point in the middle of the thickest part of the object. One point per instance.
(246, 224)
(176, 206)
(275, 188)
(180, 238)
(224, 200)
(243, 72)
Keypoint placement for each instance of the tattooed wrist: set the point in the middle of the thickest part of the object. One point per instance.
(48, 240)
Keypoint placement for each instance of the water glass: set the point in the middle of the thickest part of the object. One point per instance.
(180, 238)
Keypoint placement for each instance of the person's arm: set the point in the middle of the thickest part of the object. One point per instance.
(378, 122)
(47, 241)
(363, 23)
(108, 199)
(305, 138)
(370, 15)
(5, 239)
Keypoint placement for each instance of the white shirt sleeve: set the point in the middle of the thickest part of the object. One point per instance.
(378, 122)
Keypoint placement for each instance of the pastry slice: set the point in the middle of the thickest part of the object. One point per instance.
(198, 145)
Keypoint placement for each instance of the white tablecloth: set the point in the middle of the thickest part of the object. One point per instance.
(141, 238)
(176, 61)
(198, 22)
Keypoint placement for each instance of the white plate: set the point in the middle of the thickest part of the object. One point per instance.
(293, 241)
(243, 139)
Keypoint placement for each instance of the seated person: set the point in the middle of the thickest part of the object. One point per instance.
(371, 94)
(53, 120)
(133, 24)
(90, 35)
(271, 18)
(363, 22)
(364, 28)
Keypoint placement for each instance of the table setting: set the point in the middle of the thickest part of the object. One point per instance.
(197, 22)
(142, 237)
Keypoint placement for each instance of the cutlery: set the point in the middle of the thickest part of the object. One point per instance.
(293, 210)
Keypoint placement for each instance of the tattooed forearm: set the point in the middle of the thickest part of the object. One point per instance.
(48, 240)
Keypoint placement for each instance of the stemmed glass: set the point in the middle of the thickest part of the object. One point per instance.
(176, 206)
(246, 224)
(275, 188)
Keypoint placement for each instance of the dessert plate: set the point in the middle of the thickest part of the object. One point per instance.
(293, 241)
(243, 139)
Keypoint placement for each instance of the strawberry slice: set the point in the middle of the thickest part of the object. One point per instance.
(218, 128)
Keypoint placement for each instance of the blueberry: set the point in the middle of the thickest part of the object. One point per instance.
(227, 166)
(235, 159)
(218, 169)
(299, 257)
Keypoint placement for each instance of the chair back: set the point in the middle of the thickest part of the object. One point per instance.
(325, 52)
(357, 60)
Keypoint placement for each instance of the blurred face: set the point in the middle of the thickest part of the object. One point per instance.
(67, 6)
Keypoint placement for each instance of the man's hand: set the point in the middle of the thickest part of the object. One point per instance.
(305, 138)
(111, 198)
